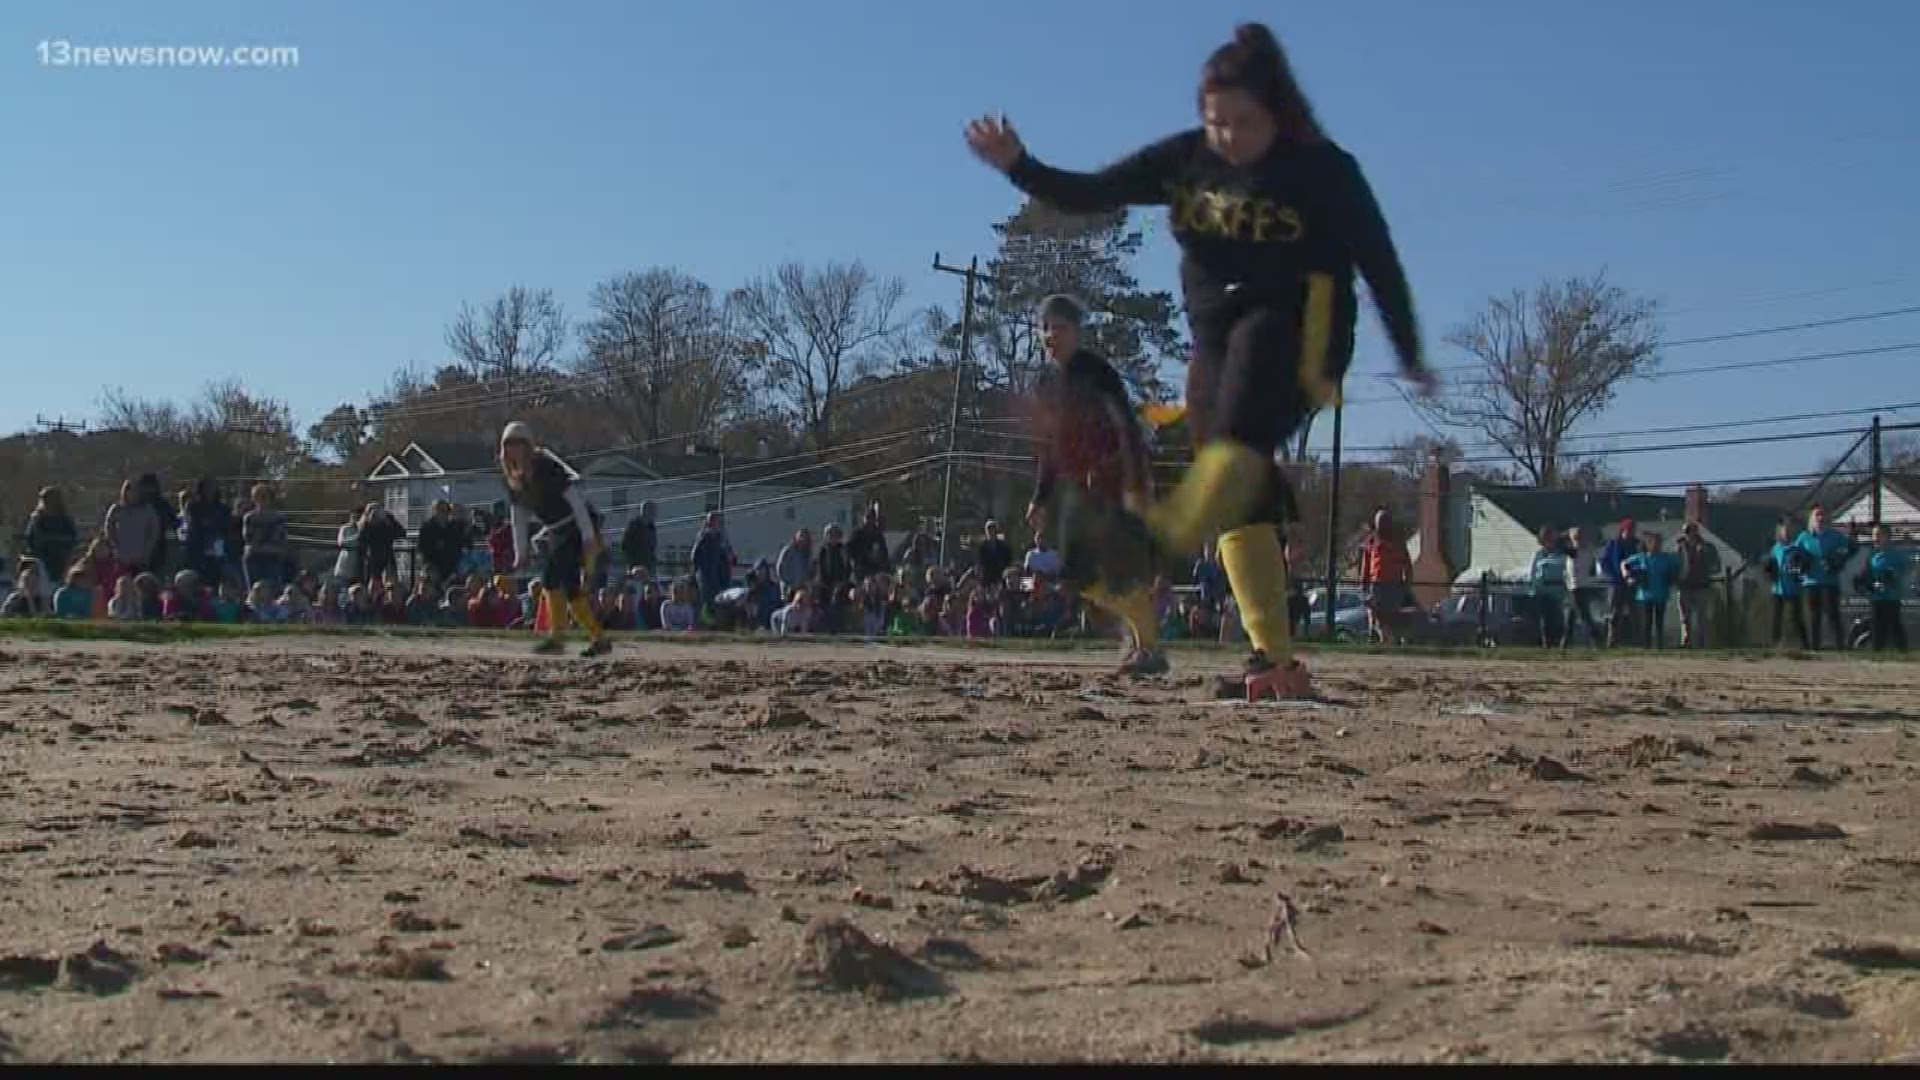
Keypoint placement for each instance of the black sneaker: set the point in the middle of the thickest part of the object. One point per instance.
(597, 647)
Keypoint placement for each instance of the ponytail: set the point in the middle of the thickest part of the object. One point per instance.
(1254, 62)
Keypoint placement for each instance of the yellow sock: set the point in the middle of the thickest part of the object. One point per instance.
(1135, 607)
(1218, 492)
(583, 614)
(1257, 570)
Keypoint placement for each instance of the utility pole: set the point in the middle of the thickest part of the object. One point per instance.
(973, 275)
(59, 423)
(1333, 528)
(1873, 470)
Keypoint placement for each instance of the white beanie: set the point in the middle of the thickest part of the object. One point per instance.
(517, 431)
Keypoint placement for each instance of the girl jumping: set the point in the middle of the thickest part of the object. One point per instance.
(1272, 218)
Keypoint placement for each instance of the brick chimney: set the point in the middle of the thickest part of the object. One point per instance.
(1697, 505)
(1431, 574)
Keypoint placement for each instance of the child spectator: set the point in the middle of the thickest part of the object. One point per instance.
(1231, 630)
(422, 608)
(453, 607)
(610, 607)
(1200, 622)
(125, 605)
(1163, 602)
(131, 529)
(979, 623)
(679, 614)
(230, 608)
(647, 611)
(930, 617)
(953, 616)
(390, 604)
(146, 587)
(75, 599)
(873, 607)
(797, 617)
(1550, 576)
(29, 598)
(1652, 573)
(488, 610)
(1785, 565)
(187, 600)
(360, 608)
(531, 609)
(264, 530)
(1886, 581)
(298, 609)
(101, 569)
(262, 607)
(326, 609)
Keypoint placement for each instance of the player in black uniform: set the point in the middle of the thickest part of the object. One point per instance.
(541, 486)
(1089, 437)
(1272, 219)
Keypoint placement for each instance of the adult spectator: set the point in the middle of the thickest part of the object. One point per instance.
(1652, 573)
(994, 554)
(52, 535)
(868, 547)
(1620, 593)
(442, 542)
(640, 544)
(712, 560)
(346, 566)
(132, 531)
(1041, 559)
(1588, 587)
(205, 541)
(267, 550)
(1209, 577)
(234, 563)
(1885, 581)
(1828, 550)
(794, 565)
(832, 573)
(148, 490)
(1549, 576)
(379, 532)
(1699, 566)
(1385, 569)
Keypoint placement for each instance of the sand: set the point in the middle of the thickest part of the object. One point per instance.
(303, 849)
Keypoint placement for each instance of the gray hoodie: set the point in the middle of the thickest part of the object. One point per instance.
(794, 568)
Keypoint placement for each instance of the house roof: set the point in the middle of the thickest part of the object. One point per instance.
(1904, 484)
(1780, 498)
(1746, 529)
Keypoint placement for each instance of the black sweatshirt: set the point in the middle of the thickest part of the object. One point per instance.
(1086, 429)
(1301, 209)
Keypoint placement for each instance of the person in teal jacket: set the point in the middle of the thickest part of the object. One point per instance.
(1786, 564)
(1886, 586)
(1828, 550)
(75, 599)
(1550, 575)
(1652, 573)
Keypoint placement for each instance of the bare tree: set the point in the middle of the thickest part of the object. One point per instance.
(822, 329)
(521, 330)
(667, 357)
(1548, 361)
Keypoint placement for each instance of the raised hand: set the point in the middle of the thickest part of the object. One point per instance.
(993, 140)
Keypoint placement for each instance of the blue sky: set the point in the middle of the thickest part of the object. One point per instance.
(310, 230)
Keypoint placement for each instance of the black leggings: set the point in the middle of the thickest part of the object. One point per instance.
(1783, 605)
(1655, 618)
(1262, 364)
(1888, 631)
(1823, 608)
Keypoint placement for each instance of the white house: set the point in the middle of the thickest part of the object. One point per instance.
(1899, 506)
(764, 502)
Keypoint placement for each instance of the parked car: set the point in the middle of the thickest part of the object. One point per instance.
(1349, 615)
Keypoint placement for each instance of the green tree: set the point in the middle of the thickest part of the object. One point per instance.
(1089, 257)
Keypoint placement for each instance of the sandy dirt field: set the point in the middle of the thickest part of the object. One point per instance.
(303, 849)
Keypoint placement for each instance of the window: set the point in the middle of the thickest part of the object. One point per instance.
(792, 513)
(621, 500)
